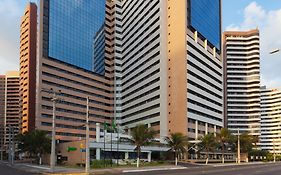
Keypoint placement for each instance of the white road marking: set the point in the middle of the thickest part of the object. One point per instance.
(156, 169)
(39, 167)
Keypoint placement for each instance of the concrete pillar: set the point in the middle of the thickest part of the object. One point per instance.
(206, 44)
(149, 125)
(126, 155)
(214, 51)
(206, 128)
(195, 36)
(149, 156)
(97, 132)
(98, 151)
(196, 129)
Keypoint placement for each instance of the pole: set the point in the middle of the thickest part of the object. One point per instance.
(117, 145)
(274, 153)
(2, 143)
(53, 148)
(87, 167)
(111, 148)
(9, 152)
(13, 147)
(104, 133)
(238, 149)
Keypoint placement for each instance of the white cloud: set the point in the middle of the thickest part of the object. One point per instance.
(269, 24)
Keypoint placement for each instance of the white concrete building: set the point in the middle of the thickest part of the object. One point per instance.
(242, 81)
(270, 138)
(168, 71)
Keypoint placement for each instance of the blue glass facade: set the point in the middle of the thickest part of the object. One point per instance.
(73, 25)
(205, 17)
(98, 52)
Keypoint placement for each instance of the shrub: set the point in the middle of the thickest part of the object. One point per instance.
(101, 163)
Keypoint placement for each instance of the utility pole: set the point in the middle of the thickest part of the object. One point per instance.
(274, 153)
(118, 144)
(55, 100)
(87, 166)
(10, 146)
(13, 146)
(2, 146)
(238, 149)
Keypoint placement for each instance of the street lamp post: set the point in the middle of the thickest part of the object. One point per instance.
(87, 166)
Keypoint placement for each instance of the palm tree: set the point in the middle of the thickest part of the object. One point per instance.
(36, 143)
(224, 137)
(141, 136)
(208, 142)
(177, 143)
(247, 142)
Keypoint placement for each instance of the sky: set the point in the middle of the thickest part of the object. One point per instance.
(236, 15)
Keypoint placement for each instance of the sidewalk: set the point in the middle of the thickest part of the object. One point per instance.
(42, 169)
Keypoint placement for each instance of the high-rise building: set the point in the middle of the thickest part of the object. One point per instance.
(242, 81)
(11, 105)
(67, 31)
(270, 120)
(28, 40)
(168, 69)
(153, 62)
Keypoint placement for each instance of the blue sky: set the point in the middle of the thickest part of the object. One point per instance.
(237, 15)
(233, 9)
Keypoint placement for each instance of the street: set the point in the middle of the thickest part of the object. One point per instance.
(7, 170)
(257, 169)
(249, 169)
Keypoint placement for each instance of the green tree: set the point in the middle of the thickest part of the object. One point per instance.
(177, 143)
(224, 138)
(247, 142)
(36, 143)
(141, 136)
(208, 143)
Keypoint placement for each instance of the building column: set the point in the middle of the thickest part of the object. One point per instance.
(206, 128)
(149, 156)
(196, 129)
(97, 132)
(98, 151)
(149, 125)
(126, 155)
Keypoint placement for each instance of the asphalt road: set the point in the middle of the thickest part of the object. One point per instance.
(7, 170)
(258, 169)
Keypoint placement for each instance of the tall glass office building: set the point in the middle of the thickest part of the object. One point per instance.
(205, 17)
(73, 26)
(158, 68)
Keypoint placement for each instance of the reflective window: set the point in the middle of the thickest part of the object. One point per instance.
(73, 25)
(205, 18)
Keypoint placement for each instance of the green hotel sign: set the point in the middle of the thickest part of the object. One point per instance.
(71, 149)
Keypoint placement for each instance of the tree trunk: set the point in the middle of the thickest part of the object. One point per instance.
(40, 160)
(176, 159)
(138, 157)
(207, 159)
(223, 153)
